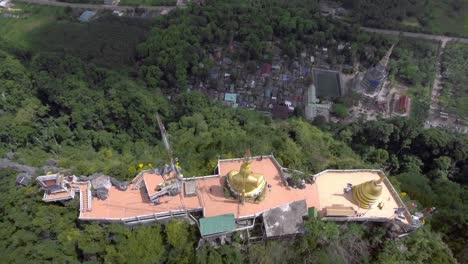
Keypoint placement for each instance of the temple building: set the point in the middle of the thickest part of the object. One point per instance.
(402, 106)
(376, 76)
(57, 187)
(243, 195)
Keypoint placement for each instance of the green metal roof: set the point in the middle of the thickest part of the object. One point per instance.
(217, 224)
(312, 212)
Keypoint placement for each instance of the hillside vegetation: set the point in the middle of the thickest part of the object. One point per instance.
(97, 114)
(434, 16)
(455, 73)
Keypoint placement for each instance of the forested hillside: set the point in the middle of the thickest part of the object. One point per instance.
(434, 16)
(98, 115)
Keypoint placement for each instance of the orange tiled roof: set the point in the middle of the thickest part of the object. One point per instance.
(132, 203)
(326, 191)
(151, 181)
(210, 197)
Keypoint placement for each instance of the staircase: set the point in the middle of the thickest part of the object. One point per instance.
(84, 207)
(137, 181)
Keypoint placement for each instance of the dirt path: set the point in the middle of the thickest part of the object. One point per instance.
(443, 39)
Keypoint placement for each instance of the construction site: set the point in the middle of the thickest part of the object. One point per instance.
(255, 196)
(379, 97)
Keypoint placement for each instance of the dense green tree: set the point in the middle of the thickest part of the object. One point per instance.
(143, 245)
(340, 110)
(180, 237)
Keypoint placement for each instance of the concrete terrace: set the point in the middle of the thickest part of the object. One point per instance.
(121, 205)
(215, 203)
(330, 185)
(210, 198)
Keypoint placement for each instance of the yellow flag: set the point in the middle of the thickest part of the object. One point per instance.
(403, 194)
(140, 165)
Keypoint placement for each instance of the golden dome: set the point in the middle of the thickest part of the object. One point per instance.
(245, 183)
(367, 194)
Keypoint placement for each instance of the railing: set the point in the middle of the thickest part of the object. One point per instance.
(355, 219)
(397, 198)
(138, 179)
(140, 174)
(201, 177)
(346, 171)
(90, 199)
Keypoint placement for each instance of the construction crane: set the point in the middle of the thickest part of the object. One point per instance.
(174, 166)
(170, 187)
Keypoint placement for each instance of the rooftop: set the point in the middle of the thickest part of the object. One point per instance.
(285, 220)
(331, 183)
(131, 203)
(151, 181)
(327, 193)
(215, 203)
(217, 224)
(87, 15)
(328, 83)
(58, 196)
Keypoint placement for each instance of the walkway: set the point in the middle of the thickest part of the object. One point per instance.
(442, 38)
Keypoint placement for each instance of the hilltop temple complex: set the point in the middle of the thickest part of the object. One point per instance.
(244, 194)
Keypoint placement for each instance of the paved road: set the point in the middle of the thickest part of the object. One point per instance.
(442, 38)
(91, 6)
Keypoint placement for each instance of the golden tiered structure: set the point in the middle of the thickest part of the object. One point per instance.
(245, 183)
(367, 194)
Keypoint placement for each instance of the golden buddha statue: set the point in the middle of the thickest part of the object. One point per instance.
(367, 194)
(245, 183)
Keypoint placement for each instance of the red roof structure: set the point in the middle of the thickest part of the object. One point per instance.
(266, 69)
(280, 111)
(403, 104)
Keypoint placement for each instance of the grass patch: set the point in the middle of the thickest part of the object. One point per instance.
(411, 22)
(14, 32)
(108, 41)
